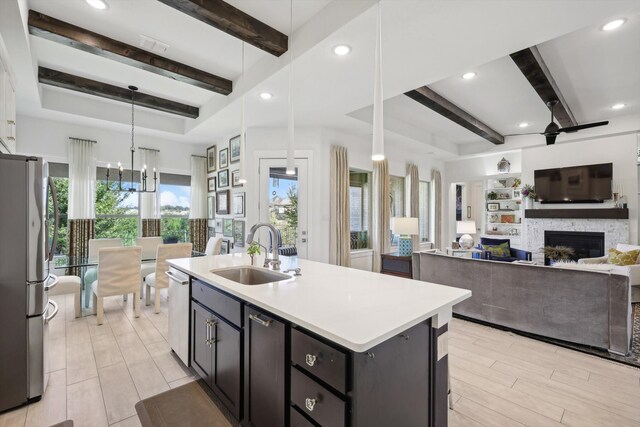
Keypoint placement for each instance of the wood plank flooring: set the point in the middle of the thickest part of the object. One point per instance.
(98, 373)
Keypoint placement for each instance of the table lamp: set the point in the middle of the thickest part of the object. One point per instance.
(405, 227)
(466, 228)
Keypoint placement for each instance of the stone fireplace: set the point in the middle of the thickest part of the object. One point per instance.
(585, 244)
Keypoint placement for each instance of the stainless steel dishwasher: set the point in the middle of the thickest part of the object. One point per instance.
(179, 313)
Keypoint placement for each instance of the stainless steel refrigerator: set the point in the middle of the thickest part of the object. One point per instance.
(27, 239)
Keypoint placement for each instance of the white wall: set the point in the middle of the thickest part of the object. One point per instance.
(48, 139)
(621, 150)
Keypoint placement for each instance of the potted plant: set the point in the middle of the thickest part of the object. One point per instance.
(253, 250)
(528, 193)
(492, 195)
(558, 253)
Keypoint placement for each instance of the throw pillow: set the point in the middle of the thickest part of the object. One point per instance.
(617, 257)
(500, 251)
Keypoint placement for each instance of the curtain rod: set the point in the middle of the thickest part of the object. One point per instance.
(149, 149)
(82, 139)
(201, 157)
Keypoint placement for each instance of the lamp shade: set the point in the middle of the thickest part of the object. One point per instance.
(466, 227)
(404, 225)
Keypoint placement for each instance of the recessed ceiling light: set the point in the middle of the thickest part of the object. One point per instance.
(523, 125)
(341, 50)
(266, 96)
(610, 26)
(469, 75)
(98, 4)
(619, 106)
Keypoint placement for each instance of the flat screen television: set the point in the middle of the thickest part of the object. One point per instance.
(575, 184)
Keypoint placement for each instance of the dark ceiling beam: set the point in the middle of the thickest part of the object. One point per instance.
(62, 32)
(235, 22)
(104, 90)
(446, 108)
(531, 64)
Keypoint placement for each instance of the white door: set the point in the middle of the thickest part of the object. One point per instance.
(283, 202)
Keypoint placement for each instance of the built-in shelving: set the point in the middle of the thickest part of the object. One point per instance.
(506, 221)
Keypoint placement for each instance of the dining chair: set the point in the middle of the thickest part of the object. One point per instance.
(214, 244)
(118, 274)
(92, 272)
(159, 279)
(149, 248)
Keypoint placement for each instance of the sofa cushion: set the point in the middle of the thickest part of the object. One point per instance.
(498, 251)
(490, 241)
(617, 257)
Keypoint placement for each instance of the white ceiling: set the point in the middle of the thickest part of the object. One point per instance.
(424, 42)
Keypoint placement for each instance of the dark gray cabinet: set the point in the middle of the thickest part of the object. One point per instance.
(217, 355)
(265, 370)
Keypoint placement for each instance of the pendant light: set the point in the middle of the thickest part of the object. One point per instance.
(291, 167)
(377, 152)
(243, 131)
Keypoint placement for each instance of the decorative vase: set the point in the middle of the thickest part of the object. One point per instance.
(405, 246)
(528, 203)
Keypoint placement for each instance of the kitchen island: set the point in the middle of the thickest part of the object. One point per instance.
(332, 347)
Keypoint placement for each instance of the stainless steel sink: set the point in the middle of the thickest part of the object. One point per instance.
(250, 275)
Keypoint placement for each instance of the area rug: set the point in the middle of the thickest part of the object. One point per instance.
(190, 405)
(632, 359)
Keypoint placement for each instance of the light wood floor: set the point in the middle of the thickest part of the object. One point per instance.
(497, 378)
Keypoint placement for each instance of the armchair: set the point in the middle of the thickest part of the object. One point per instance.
(159, 280)
(631, 271)
(91, 274)
(515, 254)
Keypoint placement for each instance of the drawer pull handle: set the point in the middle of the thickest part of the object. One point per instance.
(310, 403)
(310, 359)
(259, 320)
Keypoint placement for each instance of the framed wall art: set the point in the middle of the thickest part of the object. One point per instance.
(227, 227)
(211, 159)
(235, 178)
(210, 207)
(224, 249)
(223, 158)
(238, 204)
(234, 148)
(211, 184)
(222, 202)
(223, 178)
(238, 233)
(491, 207)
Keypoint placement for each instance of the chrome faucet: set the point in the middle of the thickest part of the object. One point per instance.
(275, 261)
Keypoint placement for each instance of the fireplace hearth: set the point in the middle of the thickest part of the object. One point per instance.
(585, 244)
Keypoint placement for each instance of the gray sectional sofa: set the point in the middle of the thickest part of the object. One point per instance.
(584, 307)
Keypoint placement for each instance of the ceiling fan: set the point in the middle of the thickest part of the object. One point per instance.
(553, 130)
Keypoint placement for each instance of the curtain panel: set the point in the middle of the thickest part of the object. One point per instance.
(437, 189)
(381, 235)
(198, 233)
(149, 202)
(82, 179)
(151, 227)
(80, 232)
(340, 227)
(413, 201)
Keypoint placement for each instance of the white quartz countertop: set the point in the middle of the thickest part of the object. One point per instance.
(356, 309)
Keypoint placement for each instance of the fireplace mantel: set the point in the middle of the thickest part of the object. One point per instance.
(601, 213)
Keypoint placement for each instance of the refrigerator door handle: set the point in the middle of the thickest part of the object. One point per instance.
(51, 285)
(56, 216)
(53, 313)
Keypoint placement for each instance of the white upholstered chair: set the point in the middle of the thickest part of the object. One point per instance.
(69, 285)
(632, 271)
(91, 273)
(159, 279)
(149, 247)
(214, 244)
(118, 274)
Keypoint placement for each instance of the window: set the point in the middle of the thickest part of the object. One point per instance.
(359, 206)
(117, 212)
(59, 173)
(175, 204)
(423, 215)
(397, 202)
(283, 204)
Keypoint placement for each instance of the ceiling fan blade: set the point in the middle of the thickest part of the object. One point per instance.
(521, 134)
(551, 139)
(571, 129)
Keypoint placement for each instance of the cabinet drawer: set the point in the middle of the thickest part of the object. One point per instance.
(223, 305)
(320, 359)
(298, 420)
(395, 265)
(316, 401)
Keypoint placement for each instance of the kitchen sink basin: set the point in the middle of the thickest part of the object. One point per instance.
(251, 275)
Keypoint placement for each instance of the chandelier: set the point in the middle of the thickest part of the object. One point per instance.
(143, 172)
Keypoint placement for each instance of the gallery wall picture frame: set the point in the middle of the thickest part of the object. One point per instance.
(234, 149)
(211, 158)
(239, 204)
(218, 225)
(211, 207)
(227, 227)
(222, 202)
(224, 249)
(235, 178)
(491, 207)
(223, 158)
(238, 232)
(223, 178)
(211, 232)
(211, 184)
